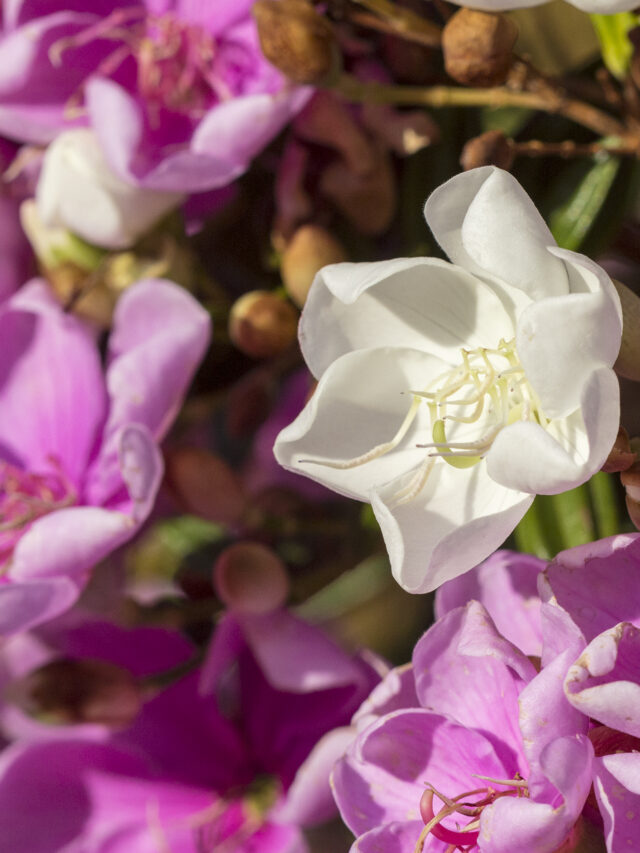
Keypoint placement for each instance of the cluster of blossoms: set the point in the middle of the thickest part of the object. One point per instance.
(515, 727)
(200, 713)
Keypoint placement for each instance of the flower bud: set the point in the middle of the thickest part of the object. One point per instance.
(621, 455)
(311, 248)
(78, 691)
(251, 578)
(262, 324)
(204, 485)
(77, 190)
(478, 47)
(492, 148)
(297, 40)
(628, 361)
(630, 479)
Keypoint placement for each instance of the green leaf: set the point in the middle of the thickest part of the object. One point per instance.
(571, 221)
(556, 522)
(612, 32)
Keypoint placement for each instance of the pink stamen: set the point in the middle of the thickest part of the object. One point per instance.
(27, 496)
(449, 836)
(175, 60)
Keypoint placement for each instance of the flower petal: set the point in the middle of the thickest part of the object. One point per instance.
(519, 823)
(604, 683)
(458, 519)
(486, 223)
(526, 456)
(396, 838)
(617, 787)
(309, 799)
(160, 334)
(383, 775)
(467, 671)
(27, 604)
(349, 416)
(52, 398)
(545, 715)
(69, 542)
(423, 303)
(506, 584)
(559, 355)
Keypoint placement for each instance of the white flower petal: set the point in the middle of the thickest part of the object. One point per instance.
(459, 518)
(486, 223)
(424, 303)
(360, 402)
(527, 457)
(562, 340)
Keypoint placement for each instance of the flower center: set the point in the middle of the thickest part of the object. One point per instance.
(25, 497)
(467, 806)
(176, 60)
(487, 391)
(489, 388)
(230, 822)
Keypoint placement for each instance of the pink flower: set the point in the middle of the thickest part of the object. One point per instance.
(488, 756)
(594, 597)
(233, 770)
(79, 462)
(178, 92)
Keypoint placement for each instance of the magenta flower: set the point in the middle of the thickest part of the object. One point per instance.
(598, 587)
(491, 756)
(79, 462)
(178, 92)
(233, 771)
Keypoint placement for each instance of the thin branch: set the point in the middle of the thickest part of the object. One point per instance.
(438, 97)
(403, 22)
(382, 25)
(538, 148)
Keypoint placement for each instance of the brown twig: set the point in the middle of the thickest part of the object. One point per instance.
(538, 148)
(438, 97)
(403, 22)
(382, 25)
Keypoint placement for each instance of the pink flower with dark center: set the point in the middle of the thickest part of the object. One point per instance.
(178, 93)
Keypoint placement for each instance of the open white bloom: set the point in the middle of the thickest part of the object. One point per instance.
(450, 394)
(77, 190)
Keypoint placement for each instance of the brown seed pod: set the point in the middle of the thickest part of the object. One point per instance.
(311, 248)
(478, 47)
(297, 40)
(262, 324)
(492, 148)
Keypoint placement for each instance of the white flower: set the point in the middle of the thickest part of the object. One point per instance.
(77, 190)
(450, 394)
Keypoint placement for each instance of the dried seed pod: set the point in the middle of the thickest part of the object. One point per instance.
(297, 40)
(251, 578)
(262, 324)
(478, 47)
(621, 455)
(492, 148)
(311, 248)
(628, 361)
